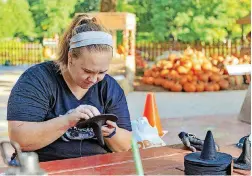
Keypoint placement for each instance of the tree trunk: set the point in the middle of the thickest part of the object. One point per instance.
(108, 5)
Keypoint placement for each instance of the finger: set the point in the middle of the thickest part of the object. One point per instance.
(94, 110)
(84, 116)
(111, 123)
(88, 112)
(81, 107)
(107, 130)
(105, 134)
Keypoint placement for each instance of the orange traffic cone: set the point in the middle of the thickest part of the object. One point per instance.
(151, 113)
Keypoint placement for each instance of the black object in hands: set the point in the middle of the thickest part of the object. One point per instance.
(96, 123)
(192, 142)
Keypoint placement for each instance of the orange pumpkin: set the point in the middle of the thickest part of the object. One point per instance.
(209, 73)
(198, 72)
(186, 63)
(154, 68)
(164, 73)
(174, 74)
(203, 77)
(182, 70)
(171, 84)
(183, 80)
(189, 87)
(215, 70)
(200, 86)
(207, 66)
(168, 65)
(150, 80)
(216, 86)
(155, 74)
(215, 77)
(144, 80)
(163, 83)
(196, 67)
(209, 87)
(176, 64)
(158, 81)
(190, 72)
(224, 84)
(189, 78)
(176, 87)
(194, 78)
(169, 76)
(167, 84)
(147, 73)
(172, 57)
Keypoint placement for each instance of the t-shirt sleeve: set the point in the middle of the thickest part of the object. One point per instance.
(29, 100)
(117, 105)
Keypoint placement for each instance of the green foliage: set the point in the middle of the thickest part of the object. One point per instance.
(15, 19)
(124, 6)
(51, 16)
(143, 18)
(190, 20)
(84, 6)
(157, 20)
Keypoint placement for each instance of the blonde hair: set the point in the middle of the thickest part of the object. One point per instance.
(80, 23)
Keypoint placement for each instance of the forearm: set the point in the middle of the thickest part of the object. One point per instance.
(35, 135)
(121, 141)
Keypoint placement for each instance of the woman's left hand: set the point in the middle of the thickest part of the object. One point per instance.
(109, 128)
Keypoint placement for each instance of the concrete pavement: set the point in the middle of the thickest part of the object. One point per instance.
(176, 105)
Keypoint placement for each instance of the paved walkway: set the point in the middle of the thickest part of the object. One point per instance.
(175, 105)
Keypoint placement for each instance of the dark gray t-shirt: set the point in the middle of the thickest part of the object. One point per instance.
(41, 94)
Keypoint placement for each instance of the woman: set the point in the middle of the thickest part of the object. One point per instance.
(50, 98)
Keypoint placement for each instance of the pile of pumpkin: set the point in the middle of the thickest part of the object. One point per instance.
(192, 72)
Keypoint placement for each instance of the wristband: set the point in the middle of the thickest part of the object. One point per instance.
(111, 135)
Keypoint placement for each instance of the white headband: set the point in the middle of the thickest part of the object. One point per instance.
(91, 38)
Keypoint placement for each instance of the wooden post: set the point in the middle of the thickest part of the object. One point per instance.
(242, 37)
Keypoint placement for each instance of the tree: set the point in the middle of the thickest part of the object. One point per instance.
(15, 19)
(124, 6)
(235, 10)
(108, 5)
(84, 6)
(192, 20)
(143, 17)
(51, 16)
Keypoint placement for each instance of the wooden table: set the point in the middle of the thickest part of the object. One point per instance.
(156, 161)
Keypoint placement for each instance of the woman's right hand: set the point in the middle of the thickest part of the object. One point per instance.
(81, 112)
